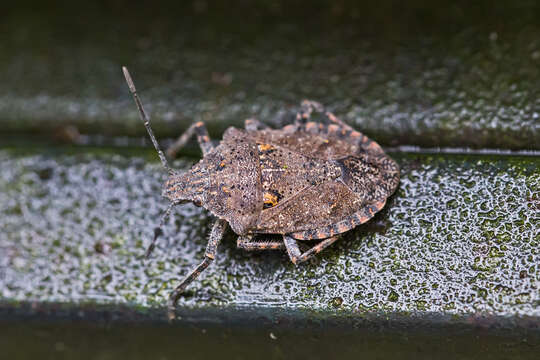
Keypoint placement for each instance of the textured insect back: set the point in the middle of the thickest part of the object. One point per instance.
(364, 176)
(336, 178)
(191, 185)
(226, 181)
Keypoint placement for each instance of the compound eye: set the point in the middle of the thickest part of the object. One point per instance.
(197, 203)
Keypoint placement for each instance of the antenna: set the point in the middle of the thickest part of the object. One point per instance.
(145, 119)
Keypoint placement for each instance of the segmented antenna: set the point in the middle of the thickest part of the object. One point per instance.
(145, 119)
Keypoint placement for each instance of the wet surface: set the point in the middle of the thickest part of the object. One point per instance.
(427, 74)
(459, 237)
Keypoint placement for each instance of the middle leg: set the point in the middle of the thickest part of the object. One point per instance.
(308, 107)
(197, 128)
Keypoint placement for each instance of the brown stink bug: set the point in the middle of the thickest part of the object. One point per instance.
(307, 182)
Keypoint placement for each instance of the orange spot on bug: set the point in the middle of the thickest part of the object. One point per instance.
(265, 147)
(363, 219)
(289, 128)
(270, 199)
(311, 126)
(333, 128)
(374, 146)
(342, 227)
(380, 204)
(332, 117)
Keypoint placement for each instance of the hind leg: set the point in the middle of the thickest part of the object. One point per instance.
(309, 106)
(254, 125)
(336, 127)
(294, 251)
(198, 129)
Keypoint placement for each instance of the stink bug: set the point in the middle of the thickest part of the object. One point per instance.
(307, 182)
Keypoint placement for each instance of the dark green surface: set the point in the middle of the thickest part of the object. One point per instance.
(459, 237)
(418, 73)
(133, 341)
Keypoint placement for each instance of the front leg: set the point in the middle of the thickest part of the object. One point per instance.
(197, 128)
(218, 230)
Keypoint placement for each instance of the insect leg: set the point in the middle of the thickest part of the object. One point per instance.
(309, 107)
(218, 230)
(254, 125)
(158, 230)
(334, 119)
(294, 251)
(359, 139)
(292, 248)
(306, 108)
(198, 129)
(244, 242)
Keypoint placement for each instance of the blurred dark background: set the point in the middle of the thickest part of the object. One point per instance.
(425, 73)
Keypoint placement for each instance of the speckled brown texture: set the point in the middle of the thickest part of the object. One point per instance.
(226, 181)
(312, 180)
